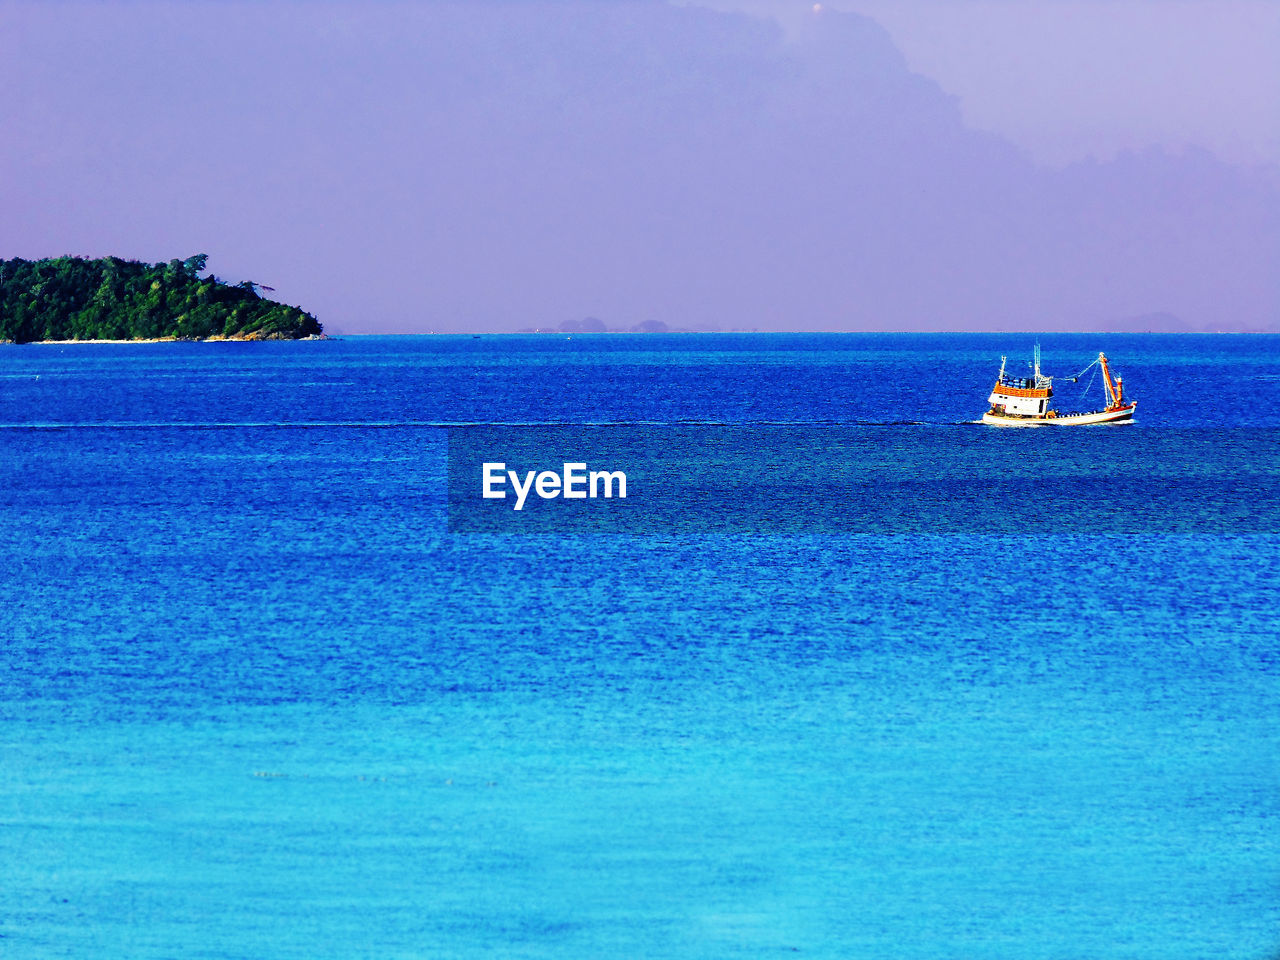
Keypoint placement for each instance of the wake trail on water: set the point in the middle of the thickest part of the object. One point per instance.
(457, 424)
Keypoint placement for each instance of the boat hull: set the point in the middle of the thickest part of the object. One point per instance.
(1119, 415)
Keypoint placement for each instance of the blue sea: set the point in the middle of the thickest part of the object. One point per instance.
(261, 698)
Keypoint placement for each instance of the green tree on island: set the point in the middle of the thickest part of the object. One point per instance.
(72, 298)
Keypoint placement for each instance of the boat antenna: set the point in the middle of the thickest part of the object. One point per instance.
(1041, 381)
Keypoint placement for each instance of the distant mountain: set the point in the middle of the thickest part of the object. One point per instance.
(595, 325)
(1163, 322)
(586, 325)
(1147, 323)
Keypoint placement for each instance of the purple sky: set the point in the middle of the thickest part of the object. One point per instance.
(1070, 79)
(1050, 164)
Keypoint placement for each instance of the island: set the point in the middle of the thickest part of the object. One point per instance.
(79, 299)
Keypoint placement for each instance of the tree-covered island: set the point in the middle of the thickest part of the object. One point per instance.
(73, 298)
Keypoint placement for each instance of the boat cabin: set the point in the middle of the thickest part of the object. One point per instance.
(1021, 396)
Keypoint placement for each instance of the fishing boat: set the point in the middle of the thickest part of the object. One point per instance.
(1024, 401)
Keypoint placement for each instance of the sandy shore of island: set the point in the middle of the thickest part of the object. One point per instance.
(172, 340)
(149, 340)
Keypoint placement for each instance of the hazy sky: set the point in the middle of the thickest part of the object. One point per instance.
(398, 167)
(1070, 79)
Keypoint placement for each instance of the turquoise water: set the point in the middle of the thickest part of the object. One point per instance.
(257, 701)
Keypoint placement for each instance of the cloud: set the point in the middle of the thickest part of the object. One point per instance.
(496, 166)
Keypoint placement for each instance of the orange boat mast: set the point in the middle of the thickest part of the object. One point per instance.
(1115, 393)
